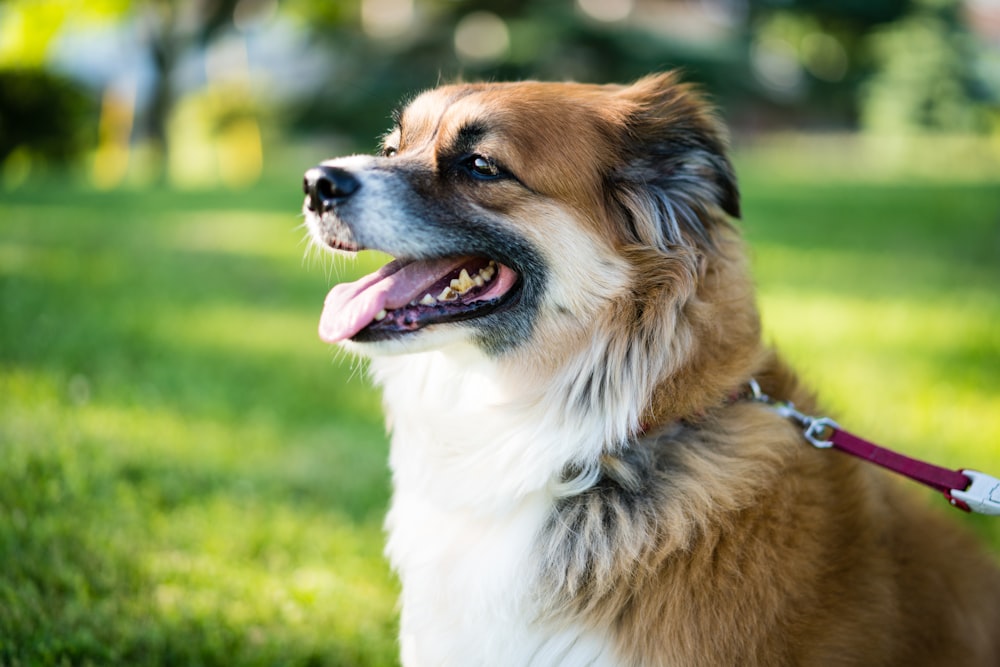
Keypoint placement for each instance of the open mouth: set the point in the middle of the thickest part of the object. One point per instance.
(407, 295)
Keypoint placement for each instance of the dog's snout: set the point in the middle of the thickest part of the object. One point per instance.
(324, 186)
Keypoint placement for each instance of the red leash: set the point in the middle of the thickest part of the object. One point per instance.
(967, 490)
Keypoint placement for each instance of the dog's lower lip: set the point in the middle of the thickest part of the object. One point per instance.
(346, 246)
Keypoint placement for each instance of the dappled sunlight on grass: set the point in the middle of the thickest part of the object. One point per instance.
(192, 525)
(241, 233)
(876, 157)
(240, 328)
(925, 376)
(272, 569)
(887, 274)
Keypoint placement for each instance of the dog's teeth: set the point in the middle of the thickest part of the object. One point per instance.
(380, 315)
(447, 294)
(488, 271)
(428, 300)
(465, 282)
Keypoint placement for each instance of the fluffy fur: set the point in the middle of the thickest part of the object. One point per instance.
(573, 484)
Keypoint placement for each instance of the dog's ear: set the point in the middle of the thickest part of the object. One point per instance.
(674, 162)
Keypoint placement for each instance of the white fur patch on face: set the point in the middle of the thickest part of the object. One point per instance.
(585, 272)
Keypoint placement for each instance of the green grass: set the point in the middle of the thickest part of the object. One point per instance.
(188, 477)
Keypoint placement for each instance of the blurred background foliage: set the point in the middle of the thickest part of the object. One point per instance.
(198, 91)
(189, 477)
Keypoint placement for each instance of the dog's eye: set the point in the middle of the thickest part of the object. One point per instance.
(389, 151)
(482, 167)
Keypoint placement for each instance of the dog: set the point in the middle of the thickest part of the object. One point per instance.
(563, 341)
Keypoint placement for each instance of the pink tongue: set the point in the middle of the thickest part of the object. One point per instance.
(350, 307)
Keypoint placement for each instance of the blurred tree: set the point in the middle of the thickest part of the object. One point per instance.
(383, 50)
(925, 76)
(169, 28)
(863, 14)
(779, 63)
(808, 57)
(43, 116)
(172, 27)
(885, 65)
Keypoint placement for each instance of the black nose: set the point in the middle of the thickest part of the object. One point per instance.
(325, 186)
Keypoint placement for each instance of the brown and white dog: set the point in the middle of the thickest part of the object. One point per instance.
(558, 340)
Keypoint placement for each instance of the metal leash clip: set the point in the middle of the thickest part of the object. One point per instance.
(815, 429)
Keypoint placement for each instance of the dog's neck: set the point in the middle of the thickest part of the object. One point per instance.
(459, 417)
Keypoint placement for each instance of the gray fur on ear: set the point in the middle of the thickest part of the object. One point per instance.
(675, 167)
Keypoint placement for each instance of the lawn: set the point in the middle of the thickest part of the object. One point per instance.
(188, 477)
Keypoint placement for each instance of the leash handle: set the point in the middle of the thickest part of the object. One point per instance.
(968, 490)
(982, 496)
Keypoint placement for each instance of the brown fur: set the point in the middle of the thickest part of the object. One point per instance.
(752, 548)
(717, 537)
(728, 540)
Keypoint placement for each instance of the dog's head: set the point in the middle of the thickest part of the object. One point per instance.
(531, 219)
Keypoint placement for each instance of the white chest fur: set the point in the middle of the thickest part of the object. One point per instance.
(473, 462)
